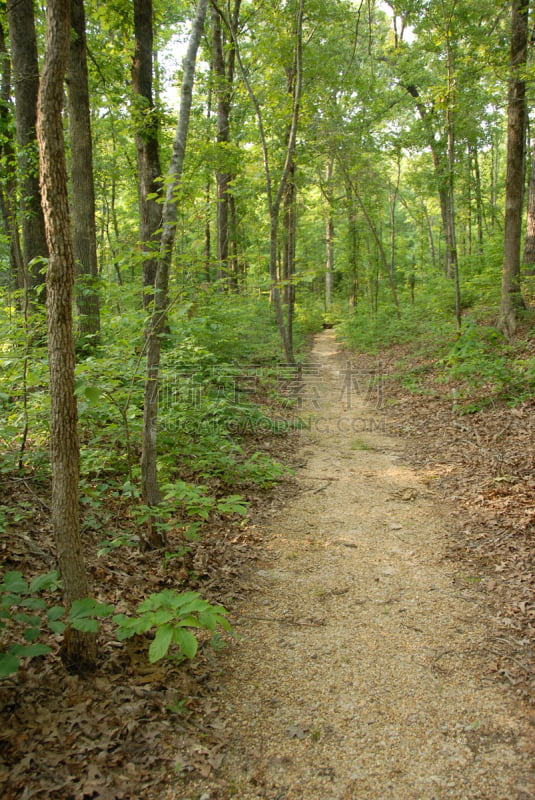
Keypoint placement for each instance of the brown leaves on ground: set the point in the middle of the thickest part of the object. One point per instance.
(484, 463)
(130, 729)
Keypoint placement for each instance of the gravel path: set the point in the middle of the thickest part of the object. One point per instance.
(360, 671)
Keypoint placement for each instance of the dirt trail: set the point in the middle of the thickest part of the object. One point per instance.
(360, 674)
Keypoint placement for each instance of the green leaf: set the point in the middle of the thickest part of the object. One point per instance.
(56, 626)
(85, 625)
(190, 622)
(89, 607)
(14, 582)
(186, 641)
(48, 581)
(8, 664)
(29, 619)
(92, 393)
(160, 644)
(35, 603)
(55, 613)
(29, 650)
(31, 634)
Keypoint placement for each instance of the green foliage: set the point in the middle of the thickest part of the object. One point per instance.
(489, 366)
(26, 615)
(171, 614)
(428, 318)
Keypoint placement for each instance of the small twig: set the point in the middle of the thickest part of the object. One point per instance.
(39, 499)
(286, 620)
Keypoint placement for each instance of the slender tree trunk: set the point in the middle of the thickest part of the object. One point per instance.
(479, 200)
(83, 189)
(8, 186)
(148, 156)
(79, 648)
(329, 236)
(393, 203)
(224, 63)
(26, 81)
(453, 259)
(431, 238)
(511, 301)
(208, 205)
(382, 254)
(274, 198)
(353, 246)
(440, 163)
(529, 242)
(149, 475)
(288, 252)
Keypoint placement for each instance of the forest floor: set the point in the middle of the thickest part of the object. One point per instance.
(383, 603)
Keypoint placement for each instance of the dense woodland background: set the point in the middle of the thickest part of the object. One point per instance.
(204, 188)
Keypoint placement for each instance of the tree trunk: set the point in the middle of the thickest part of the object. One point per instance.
(353, 246)
(453, 259)
(440, 163)
(149, 476)
(511, 300)
(224, 74)
(8, 187)
(83, 189)
(529, 242)
(479, 200)
(26, 81)
(275, 198)
(382, 254)
(288, 252)
(79, 648)
(148, 155)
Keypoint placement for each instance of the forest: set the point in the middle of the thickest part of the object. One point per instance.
(190, 192)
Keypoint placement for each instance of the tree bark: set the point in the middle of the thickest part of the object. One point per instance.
(529, 242)
(83, 189)
(453, 259)
(511, 297)
(79, 648)
(479, 199)
(148, 153)
(26, 80)
(329, 238)
(149, 476)
(440, 163)
(224, 74)
(8, 188)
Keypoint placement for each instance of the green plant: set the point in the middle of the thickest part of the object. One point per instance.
(25, 613)
(171, 614)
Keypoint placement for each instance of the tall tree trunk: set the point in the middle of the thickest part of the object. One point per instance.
(148, 154)
(529, 242)
(274, 198)
(79, 648)
(381, 250)
(289, 242)
(453, 259)
(26, 81)
(393, 204)
(83, 189)
(149, 476)
(329, 236)
(224, 74)
(511, 300)
(440, 163)
(353, 246)
(479, 200)
(8, 185)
